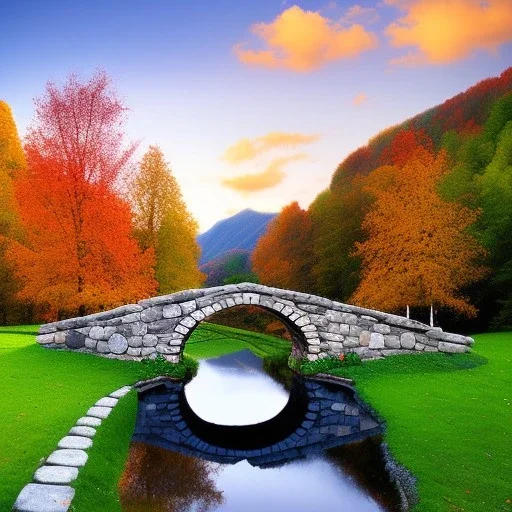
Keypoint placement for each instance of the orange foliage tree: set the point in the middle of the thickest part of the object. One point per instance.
(78, 253)
(418, 251)
(282, 256)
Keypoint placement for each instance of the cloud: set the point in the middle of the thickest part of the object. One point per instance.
(442, 32)
(302, 41)
(270, 177)
(360, 99)
(357, 12)
(247, 149)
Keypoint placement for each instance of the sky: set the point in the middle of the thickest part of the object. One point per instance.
(255, 104)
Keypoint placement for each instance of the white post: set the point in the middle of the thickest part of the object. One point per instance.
(431, 315)
(407, 311)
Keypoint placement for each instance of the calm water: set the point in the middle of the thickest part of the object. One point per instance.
(188, 456)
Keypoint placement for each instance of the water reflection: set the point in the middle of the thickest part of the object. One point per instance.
(304, 458)
(233, 390)
(164, 481)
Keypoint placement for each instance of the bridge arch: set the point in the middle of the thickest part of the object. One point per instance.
(320, 327)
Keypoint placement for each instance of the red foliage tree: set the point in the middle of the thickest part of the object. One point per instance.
(78, 252)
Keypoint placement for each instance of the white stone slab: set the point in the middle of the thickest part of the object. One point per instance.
(55, 475)
(44, 498)
(99, 412)
(82, 431)
(75, 443)
(67, 457)
(119, 393)
(106, 402)
(89, 421)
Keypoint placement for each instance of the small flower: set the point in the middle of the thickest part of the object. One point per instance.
(341, 357)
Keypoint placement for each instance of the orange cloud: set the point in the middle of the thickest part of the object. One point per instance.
(270, 177)
(360, 99)
(303, 41)
(444, 32)
(247, 149)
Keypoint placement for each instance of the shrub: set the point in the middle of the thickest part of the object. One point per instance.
(159, 366)
(325, 365)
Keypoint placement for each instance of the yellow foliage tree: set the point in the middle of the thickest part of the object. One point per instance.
(418, 251)
(163, 222)
(12, 161)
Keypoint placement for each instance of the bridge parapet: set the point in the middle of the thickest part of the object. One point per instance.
(320, 327)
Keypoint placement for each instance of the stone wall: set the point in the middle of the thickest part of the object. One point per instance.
(320, 327)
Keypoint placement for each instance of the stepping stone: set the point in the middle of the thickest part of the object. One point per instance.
(44, 498)
(99, 412)
(68, 457)
(75, 442)
(107, 402)
(120, 392)
(89, 421)
(82, 431)
(55, 475)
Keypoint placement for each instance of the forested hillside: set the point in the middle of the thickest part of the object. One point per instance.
(420, 216)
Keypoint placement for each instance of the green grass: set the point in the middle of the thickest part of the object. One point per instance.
(43, 392)
(449, 421)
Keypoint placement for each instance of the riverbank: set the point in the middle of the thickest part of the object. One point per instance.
(449, 422)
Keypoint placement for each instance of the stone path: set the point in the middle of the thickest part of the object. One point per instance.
(50, 490)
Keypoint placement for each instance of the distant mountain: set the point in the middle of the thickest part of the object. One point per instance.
(241, 231)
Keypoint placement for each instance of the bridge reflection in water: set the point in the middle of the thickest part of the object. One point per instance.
(176, 456)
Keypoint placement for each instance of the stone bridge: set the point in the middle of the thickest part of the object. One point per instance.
(319, 327)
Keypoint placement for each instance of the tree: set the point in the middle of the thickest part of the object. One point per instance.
(12, 162)
(163, 223)
(78, 253)
(283, 255)
(418, 250)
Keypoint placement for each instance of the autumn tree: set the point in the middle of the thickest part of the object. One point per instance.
(78, 253)
(418, 250)
(283, 255)
(164, 224)
(12, 162)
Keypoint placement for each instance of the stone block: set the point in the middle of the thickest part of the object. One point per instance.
(91, 344)
(67, 457)
(132, 317)
(188, 321)
(107, 401)
(407, 340)
(171, 311)
(182, 329)
(334, 328)
(188, 307)
(351, 342)
(419, 346)
(96, 332)
(119, 393)
(336, 346)
(44, 498)
(382, 328)
(198, 315)
(60, 338)
(117, 344)
(55, 475)
(313, 341)
(308, 328)
(146, 351)
(139, 328)
(102, 347)
(75, 443)
(152, 314)
(134, 352)
(136, 341)
(364, 338)
(453, 348)
(355, 330)
(75, 339)
(376, 340)
(89, 421)
(217, 307)
(162, 326)
(150, 340)
(287, 311)
(208, 310)
(311, 357)
(83, 431)
(391, 341)
(302, 321)
(313, 349)
(166, 349)
(331, 337)
(99, 412)
(449, 337)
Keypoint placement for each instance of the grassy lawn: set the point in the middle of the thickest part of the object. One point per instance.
(449, 418)
(43, 392)
(449, 421)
